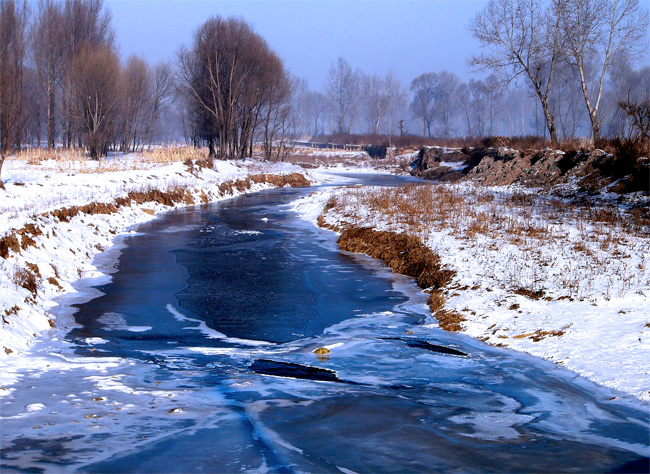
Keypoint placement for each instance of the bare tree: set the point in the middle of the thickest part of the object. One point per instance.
(445, 90)
(163, 87)
(525, 38)
(343, 91)
(48, 54)
(86, 24)
(316, 108)
(567, 104)
(137, 91)
(395, 97)
(634, 122)
(95, 74)
(13, 20)
(228, 77)
(424, 99)
(376, 100)
(276, 107)
(600, 31)
(299, 97)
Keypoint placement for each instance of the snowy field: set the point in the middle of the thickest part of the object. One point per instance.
(568, 283)
(54, 252)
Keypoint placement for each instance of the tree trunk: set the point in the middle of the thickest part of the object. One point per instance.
(51, 124)
(2, 160)
(550, 124)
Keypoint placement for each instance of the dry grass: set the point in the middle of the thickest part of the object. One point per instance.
(406, 255)
(25, 279)
(75, 160)
(525, 241)
(403, 253)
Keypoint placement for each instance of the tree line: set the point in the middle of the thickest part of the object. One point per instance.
(63, 83)
(560, 68)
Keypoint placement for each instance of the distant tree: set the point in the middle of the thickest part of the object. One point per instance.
(376, 100)
(402, 128)
(316, 108)
(597, 33)
(137, 94)
(423, 88)
(480, 104)
(396, 96)
(13, 43)
(343, 88)
(635, 125)
(525, 38)
(299, 105)
(567, 104)
(445, 105)
(95, 78)
(163, 88)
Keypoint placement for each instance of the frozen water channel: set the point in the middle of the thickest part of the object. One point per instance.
(197, 356)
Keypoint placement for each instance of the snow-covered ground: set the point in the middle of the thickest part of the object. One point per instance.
(596, 282)
(63, 251)
(591, 276)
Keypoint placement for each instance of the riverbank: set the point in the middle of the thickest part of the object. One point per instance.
(57, 215)
(562, 281)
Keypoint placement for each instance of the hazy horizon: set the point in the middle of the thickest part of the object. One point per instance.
(410, 37)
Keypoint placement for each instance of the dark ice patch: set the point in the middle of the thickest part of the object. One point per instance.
(427, 346)
(296, 371)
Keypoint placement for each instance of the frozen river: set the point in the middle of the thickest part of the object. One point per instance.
(198, 356)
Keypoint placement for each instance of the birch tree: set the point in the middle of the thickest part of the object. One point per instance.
(597, 33)
(525, 40)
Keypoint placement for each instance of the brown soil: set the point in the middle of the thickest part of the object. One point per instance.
(590, 170)
(7, 243)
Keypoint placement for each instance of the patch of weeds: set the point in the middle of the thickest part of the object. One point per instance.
(25, 279)
(532, 294)
(54, 282)
(449, 320)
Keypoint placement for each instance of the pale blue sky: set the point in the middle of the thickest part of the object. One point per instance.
(412, 37)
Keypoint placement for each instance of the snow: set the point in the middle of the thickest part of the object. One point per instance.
(596, 293)
(65, 251)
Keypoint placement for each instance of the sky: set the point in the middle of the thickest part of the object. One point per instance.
(409, 37)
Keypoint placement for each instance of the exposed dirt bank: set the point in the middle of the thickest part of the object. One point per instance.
(587, 171)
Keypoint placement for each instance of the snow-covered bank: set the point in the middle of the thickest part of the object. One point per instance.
(56, 218)
(571, 285)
